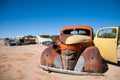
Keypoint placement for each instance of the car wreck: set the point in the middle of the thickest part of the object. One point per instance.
(45, 39)
(22, 40)
(75, 53)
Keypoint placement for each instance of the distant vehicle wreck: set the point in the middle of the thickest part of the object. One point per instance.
(23, 40)
(75, 53)
(45, 39)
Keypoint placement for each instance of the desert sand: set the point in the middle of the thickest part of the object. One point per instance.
(22, 63)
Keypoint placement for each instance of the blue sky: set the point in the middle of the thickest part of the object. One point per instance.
(32, 17)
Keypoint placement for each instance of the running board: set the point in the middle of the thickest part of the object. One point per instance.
(51, 69)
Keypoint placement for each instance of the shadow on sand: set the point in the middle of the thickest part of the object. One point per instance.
(116, 64)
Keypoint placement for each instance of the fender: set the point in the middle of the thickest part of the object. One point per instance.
(93, 61)
(48, 56)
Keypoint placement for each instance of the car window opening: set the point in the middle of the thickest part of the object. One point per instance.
(77, 32)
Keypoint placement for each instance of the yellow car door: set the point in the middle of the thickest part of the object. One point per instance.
(106, 41)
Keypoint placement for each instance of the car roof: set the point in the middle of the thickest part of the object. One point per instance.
(109, 27)
(76, 27)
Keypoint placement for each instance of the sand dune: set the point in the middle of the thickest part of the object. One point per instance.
(22, 63)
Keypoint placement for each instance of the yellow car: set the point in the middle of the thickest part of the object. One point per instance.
(108, 42)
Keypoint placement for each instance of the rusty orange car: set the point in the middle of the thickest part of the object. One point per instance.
(75, 53)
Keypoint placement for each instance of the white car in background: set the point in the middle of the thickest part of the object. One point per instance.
(45, 39)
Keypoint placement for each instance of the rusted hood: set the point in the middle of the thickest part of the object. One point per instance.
(75, 39)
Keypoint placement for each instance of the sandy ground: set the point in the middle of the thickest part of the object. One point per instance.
(22, 63)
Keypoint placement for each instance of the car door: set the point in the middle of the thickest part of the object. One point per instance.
(106, 41)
